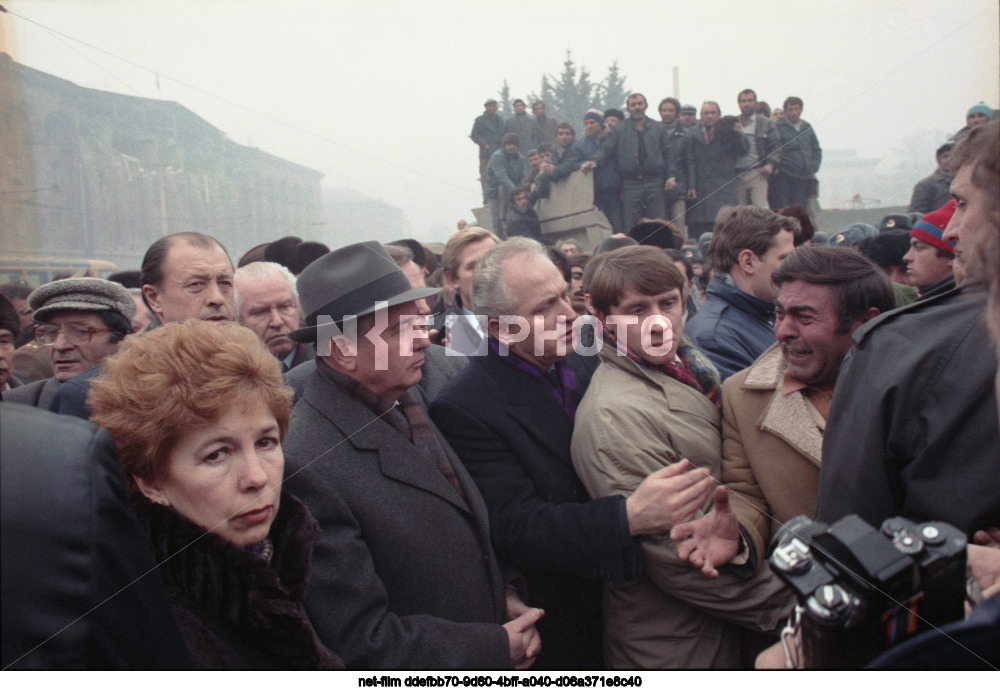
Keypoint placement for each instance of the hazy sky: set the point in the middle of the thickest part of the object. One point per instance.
(380, 95)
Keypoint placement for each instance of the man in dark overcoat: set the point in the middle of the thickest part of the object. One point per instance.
(404, 575)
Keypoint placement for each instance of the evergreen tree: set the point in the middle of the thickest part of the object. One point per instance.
(573, 94)
(505, 109)
(611, 93)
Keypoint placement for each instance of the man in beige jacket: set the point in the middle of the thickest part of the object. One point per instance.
(654, 400)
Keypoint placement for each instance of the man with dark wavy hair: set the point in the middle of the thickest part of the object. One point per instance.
(774, 412)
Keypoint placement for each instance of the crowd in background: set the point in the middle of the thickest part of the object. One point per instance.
(548, 456)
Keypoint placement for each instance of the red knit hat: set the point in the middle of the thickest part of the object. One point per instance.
(930, 228)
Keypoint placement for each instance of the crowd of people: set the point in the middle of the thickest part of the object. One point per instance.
(679, 167)
(516, 454)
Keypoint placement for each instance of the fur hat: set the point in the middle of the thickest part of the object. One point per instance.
(887, 248)
(658, 232)
(895, 222)
(8, 316)
(930, 228)
(84, 294)
(612, 243)
(852, 235)
(693, 254)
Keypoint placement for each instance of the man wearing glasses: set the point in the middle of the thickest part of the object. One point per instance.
(84, 321)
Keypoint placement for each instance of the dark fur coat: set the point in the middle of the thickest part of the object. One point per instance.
(234, 610)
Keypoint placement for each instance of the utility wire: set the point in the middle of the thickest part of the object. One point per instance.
(423, 175)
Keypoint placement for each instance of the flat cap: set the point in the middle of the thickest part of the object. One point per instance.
(85, 294)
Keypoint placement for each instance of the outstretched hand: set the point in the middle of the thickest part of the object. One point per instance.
(667, 497)
(712, 540)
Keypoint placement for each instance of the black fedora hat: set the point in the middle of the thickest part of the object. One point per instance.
(352, 281)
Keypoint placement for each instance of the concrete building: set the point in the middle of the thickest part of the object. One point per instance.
(86, 173)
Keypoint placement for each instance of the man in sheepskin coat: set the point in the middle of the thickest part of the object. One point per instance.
(774, 412)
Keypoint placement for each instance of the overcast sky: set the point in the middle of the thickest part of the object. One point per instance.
(380, 95)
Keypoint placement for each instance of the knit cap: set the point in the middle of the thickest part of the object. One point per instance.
(982, 109)
(594, 114)
(930, 228)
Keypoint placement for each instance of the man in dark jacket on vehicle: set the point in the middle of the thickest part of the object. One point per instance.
(680, 143)
(487, 132)
(607, 181)
(521, 124)
(934, 191)
(800, 157)
(640, 150)
(714, 146)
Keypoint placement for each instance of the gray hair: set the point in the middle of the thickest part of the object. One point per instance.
(400, 253)
(490, 293)
(262, 271)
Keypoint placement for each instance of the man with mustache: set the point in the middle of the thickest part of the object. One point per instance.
(84, 321)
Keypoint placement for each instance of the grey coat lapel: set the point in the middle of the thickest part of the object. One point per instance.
(362, 429)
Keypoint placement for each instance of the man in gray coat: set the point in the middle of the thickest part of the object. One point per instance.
(522, 124)
(507, 170)
(404, 575)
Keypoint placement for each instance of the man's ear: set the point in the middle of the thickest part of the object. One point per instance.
(745, 261)
(152, 296)
(870, 314)
(451, 281)
(152, 491)
(343, 354)
(493, 326)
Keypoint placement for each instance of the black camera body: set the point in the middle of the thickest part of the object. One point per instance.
(863, 590)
